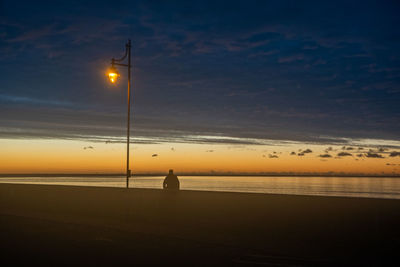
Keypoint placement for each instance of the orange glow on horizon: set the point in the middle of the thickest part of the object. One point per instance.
(64, 156)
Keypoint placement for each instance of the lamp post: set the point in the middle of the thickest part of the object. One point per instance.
(113, 76)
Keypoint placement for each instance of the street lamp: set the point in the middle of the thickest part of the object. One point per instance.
(113, 75)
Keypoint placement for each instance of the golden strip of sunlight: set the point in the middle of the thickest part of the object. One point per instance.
(67, 156)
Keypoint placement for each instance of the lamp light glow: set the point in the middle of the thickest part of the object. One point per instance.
(113, 74)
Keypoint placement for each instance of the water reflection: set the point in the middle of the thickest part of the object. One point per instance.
(375, 187)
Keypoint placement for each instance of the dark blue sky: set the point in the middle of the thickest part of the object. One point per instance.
(289, 70)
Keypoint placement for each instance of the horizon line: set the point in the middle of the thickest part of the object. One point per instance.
(276, 174)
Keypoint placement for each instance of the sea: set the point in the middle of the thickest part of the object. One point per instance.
(369, 187)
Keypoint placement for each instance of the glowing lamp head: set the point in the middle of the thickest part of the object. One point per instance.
(113, 74)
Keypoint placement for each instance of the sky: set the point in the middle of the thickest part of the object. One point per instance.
(238, 86)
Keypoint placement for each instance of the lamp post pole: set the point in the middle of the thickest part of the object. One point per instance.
(128, 171)
(113, 75)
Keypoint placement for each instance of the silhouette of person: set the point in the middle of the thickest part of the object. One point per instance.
(171, 181)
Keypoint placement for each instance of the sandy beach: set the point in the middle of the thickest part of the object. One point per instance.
(110, 226)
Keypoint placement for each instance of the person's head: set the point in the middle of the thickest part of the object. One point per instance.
(171, 171)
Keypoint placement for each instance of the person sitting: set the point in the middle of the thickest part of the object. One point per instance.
(171, 181)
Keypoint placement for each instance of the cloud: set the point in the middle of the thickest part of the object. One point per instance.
(307, 151)
(36, 101)
(394, 154)
(79, 123)
(290, 59)
(88, 147)
(326, 108)
(273, 156)
(34, 34)
(172, 149)
(328, 149)
(209, 151)
(360, 155)
(293, 153)
(154, 155)
(325, 156)
(373, 155)
(300, 154)
(344, 154)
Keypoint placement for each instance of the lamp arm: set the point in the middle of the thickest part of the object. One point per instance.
(126, 53)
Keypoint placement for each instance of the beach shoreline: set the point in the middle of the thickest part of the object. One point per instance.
(139, 175)
(288, 229)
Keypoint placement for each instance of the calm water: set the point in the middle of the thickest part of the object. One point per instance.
(374, 187)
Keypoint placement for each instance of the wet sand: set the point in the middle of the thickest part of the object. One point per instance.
(68, 225)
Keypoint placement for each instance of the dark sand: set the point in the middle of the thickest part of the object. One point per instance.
(69, 225)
